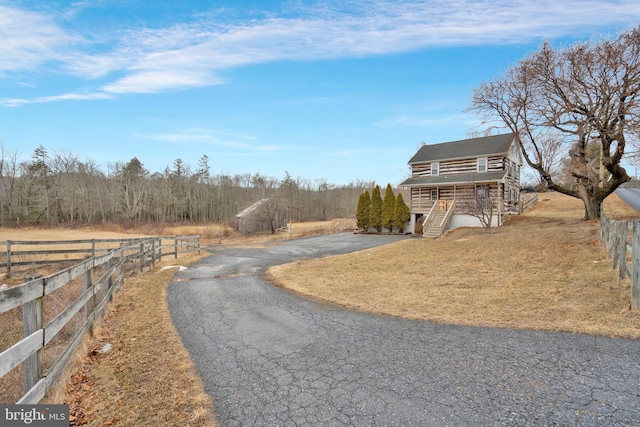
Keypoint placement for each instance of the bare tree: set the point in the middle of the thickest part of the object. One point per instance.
(272, 212)
(478, 202)
(131, 179)
(92, 193)
(64, 175)
(571, 98)
(8, 176)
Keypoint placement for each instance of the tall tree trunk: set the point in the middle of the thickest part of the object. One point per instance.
(592, 208)
(592, 201)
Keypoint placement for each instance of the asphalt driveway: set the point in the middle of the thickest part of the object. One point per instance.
(271, 358)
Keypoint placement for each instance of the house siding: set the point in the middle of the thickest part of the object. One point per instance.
(455, 167)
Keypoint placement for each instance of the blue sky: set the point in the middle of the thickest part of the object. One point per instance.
(333, 90)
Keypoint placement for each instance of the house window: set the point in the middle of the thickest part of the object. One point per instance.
(435, 169)
(482, 164)
(482, 192)
(482, 196)
(434, 194)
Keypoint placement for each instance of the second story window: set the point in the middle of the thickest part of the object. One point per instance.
(435, 168)
(482, 164)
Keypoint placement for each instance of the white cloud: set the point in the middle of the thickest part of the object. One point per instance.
(158, 80)
(29, 39)
(214, 137)
(16, 102)
(192, 54)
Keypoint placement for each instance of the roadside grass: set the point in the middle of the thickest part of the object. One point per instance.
(146, 377)
(545, 270)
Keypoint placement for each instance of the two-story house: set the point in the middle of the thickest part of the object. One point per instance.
(444, 176)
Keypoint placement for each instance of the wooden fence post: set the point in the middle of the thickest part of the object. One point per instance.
(31, 322)
(635, 279)
(110, 277)
(121, 262)
(611, 238)
(615, 245)
(159, 249)
(8, 258)
(176, 248)
(153, 252)
(88, 284)
(622, 270)
(141, 257)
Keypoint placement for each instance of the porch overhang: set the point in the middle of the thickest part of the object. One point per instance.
(466, 178)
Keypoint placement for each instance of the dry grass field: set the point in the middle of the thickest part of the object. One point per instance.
(545, 270)
(54, 234)
(219, 234)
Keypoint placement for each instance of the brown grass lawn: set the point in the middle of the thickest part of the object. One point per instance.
(546, 270)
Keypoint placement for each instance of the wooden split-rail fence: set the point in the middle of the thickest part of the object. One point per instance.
(58, 309)
(143, 250)
(622, 239)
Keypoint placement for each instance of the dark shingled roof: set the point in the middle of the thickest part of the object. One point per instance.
(464, 178)
(475, 147)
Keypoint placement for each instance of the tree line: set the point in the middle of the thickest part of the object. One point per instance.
(59, 188)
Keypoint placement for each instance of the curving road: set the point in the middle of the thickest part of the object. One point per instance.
(271, 358)
(631, 196)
